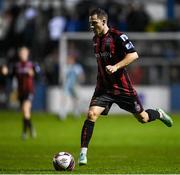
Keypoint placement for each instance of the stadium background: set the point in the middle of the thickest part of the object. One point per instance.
(40, 26)
(119, 144)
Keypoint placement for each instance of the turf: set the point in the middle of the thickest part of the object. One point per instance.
(119, 145)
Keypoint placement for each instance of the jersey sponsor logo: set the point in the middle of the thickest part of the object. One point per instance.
(94, 44)
(103, 55)
(129, 45)
(124, 37)
(23, 70)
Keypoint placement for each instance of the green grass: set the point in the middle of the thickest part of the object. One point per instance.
(119, 145)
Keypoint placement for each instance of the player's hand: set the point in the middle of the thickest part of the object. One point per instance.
(4, 70)
(111, 69)
(31, 72)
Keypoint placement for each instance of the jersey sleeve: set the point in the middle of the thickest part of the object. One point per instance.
(125, 44)
(37, 71)
(37, 68)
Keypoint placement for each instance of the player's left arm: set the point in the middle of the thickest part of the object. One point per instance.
(130, 55)
(80, 73)
(36, 70)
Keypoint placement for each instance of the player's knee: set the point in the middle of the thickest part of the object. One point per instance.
(92, 116)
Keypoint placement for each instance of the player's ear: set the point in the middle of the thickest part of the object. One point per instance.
(104, 21)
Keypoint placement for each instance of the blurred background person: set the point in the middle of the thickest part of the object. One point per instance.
(74, 76)
(56, 26)
(24, 71)
(137, 18)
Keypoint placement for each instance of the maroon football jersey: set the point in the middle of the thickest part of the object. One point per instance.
(109, 49)
(25, 81)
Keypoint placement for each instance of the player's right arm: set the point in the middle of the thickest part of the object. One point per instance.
(8, 70)
(4, 70)
(129, 58)
(130, 54)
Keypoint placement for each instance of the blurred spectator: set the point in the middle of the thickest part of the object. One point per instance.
(6, 31)
(73, 22)
(3, 89)
(41, 46)
(137, 18)
(56, 27)
(52, 68)
(82, 9)
(174, 75)
(74, 75)
(114, 10)
(5, 22)
(29, 31)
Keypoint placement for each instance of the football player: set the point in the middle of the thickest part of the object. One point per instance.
(24, 70)
(113, 51)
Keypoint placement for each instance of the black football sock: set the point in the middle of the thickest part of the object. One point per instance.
(86, 133)
(25, 125)
(153, 114)
(30, 125)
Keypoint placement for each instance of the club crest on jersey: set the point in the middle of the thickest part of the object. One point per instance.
(137, 106)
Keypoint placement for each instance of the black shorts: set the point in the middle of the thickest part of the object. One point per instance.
(26, 96)
(129, 103)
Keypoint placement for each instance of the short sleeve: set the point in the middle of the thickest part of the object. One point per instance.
(36, 68)
(125, 44)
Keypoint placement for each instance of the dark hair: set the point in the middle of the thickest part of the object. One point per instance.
(22, 47)
(99, 12)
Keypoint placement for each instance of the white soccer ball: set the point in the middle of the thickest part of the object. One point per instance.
(63, 161)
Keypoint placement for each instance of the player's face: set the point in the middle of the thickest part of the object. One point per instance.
(23, 54)
(96, 24)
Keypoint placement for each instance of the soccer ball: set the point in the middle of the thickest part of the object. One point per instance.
(63, 161)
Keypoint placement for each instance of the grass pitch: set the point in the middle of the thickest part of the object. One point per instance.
(120, 145)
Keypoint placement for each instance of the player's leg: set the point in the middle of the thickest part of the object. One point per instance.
(151, 115)
(26, 110)
(26, 118)
(87, 131)
(133, 105)
(148, 115)
(100, 105)
(165, 118)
